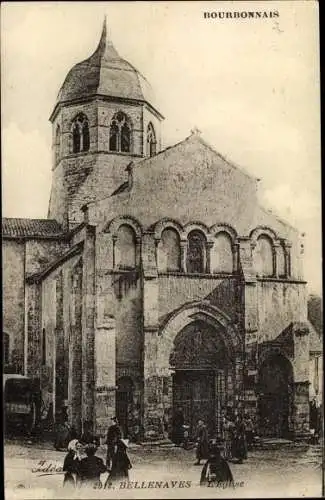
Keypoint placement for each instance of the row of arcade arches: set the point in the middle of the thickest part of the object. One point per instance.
(197, 252)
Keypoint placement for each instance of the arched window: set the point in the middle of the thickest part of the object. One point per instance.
(125, 248)
(151, 140)
(264, 256)
(281, 264)
(196, 252)
(6, 349)
(221, 255)
(120, 133)
(169, 253)
(80, 134)
(57, 145)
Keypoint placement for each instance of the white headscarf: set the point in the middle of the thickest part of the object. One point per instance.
(72, 446)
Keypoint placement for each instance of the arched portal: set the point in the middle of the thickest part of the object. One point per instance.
(201, 365)
(275, 400)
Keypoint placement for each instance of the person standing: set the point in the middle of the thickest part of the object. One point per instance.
(239, 448)
(249, 430)
(216, 469)
(202, 440)
(112, 437)
(120, 462)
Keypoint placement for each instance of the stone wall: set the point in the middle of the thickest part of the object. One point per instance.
(279, 304)
(174, 291)
(13, 290)
(60, 328)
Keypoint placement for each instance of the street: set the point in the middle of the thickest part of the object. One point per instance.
(33, 471)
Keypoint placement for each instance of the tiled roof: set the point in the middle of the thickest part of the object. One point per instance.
(20, 228)
(105, 73)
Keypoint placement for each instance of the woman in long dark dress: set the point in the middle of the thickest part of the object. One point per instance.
(121, 463)
(239, 447)
(216, 469)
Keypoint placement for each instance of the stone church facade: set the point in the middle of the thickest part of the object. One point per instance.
(157, 281)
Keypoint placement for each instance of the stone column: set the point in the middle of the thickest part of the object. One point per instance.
(114, 240)
(105, 360)
(60, 375)
(209, 247)
(235, 256)
(153, 388)
(75, 349)
(249, 321)
(239, 395)
(183, 246)
(138, 251)
(152, 396)
(276, 251)
(88, 327)
(301, 379)
(287, 258)
(32, 346)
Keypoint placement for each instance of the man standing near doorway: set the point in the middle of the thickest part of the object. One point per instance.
(113, 435)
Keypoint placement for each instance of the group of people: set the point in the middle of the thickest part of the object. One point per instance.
(237, 438)
(83, 468)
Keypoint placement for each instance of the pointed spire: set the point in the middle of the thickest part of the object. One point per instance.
(106, 46)
(106, 35)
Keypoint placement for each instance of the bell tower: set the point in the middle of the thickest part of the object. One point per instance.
(104, 117)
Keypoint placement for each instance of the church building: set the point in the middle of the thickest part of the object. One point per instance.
(157, 281)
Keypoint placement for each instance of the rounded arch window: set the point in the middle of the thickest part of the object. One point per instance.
(80, 134)
(120, 133)
(169, 252)
(222, 254)
(151, 140)
(196, 252)
(125, 248)
(264, 264)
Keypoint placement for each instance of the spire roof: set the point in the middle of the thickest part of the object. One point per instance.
(105, 73)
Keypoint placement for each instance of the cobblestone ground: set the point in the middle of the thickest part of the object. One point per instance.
(294, 471)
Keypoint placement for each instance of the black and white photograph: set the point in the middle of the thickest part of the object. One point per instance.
(161, 250)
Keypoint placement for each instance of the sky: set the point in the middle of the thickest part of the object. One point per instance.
(251, 86)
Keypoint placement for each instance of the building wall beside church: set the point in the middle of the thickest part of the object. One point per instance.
(13, 293)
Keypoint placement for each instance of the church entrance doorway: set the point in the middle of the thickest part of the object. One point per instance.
(275, 397)
(201, 365)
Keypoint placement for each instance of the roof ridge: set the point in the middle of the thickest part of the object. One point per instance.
(270, 211)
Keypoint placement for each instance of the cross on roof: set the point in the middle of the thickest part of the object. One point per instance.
(196, 131)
